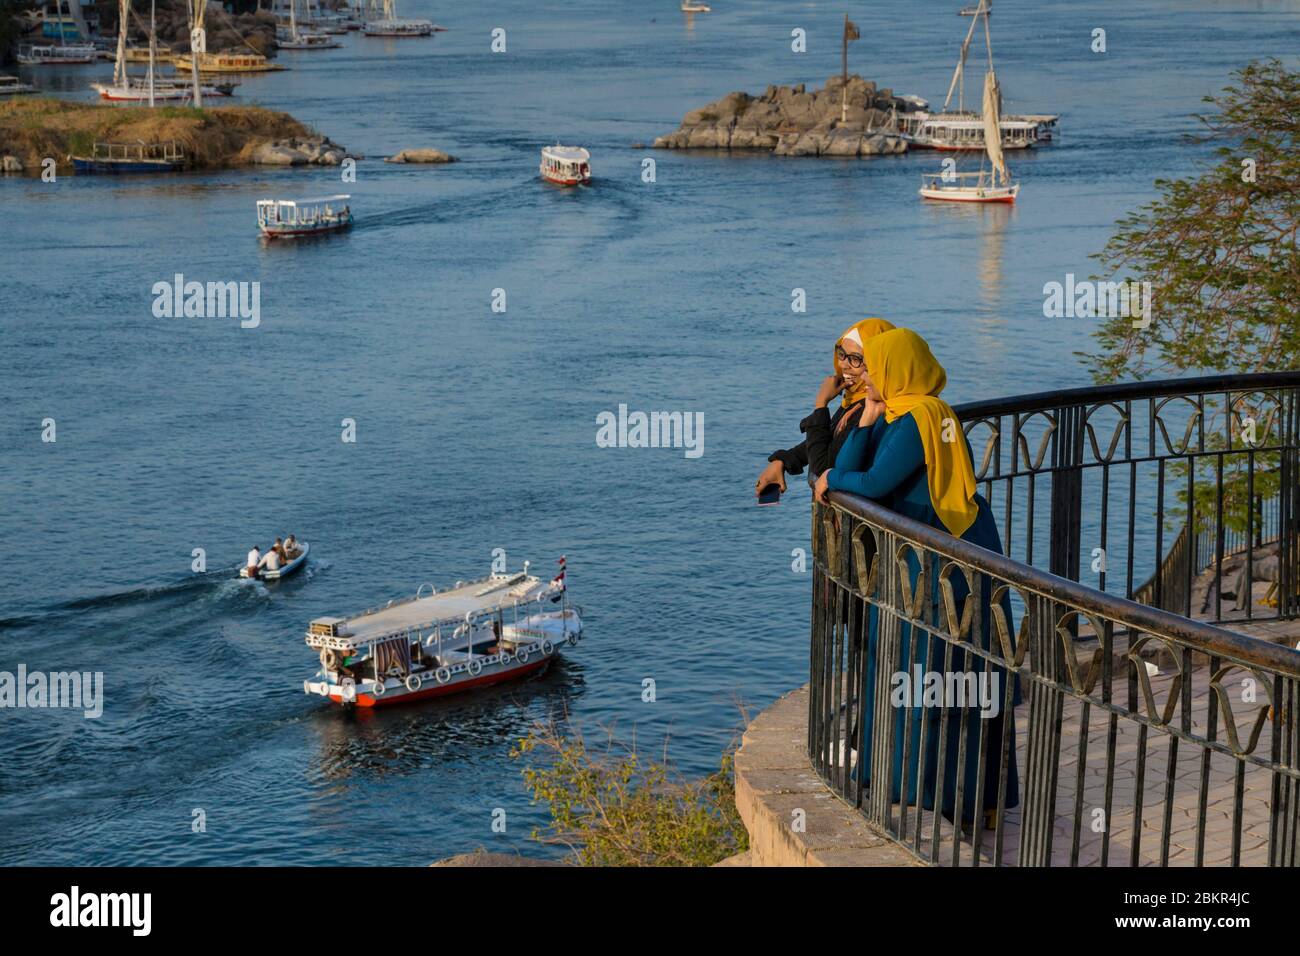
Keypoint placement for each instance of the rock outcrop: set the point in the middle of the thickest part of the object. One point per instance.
(837, 120)
(421, 156)
(298, 151)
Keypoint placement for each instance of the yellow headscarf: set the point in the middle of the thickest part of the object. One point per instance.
(909, 379)
(866, 329)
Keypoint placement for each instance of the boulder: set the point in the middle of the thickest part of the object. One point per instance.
(421, 156)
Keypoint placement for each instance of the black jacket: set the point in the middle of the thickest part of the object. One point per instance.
(821, 442)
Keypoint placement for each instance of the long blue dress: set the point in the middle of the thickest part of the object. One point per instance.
(886, 463)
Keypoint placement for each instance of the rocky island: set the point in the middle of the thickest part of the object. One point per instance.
(35, 128)
(850, 118)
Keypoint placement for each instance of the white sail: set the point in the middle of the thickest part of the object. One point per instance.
(993, 126)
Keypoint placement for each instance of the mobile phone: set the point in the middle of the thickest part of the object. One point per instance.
(770, 494)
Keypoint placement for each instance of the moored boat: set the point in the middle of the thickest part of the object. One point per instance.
(565, 165)
(51, 55)
(991, 186)
(118, 158)
(296, 218)
(478, 633)
(12, 86)
(228, 62)
(691, 6)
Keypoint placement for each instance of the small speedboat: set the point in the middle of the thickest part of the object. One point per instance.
(284, 570)
(494, 629)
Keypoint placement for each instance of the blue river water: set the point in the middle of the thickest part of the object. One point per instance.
(476, 429)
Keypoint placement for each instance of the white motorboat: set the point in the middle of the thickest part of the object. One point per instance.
(478, 633)
(295, 218)
(12, 86)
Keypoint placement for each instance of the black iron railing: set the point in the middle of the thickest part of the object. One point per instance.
(1142, 735)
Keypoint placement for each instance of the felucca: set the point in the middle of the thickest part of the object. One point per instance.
(995, 185)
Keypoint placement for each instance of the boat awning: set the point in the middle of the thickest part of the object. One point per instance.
(303, 202)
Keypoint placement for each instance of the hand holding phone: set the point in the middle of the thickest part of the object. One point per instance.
(769, 494)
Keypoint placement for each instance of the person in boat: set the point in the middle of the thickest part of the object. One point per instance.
(271, 561)
(915, 460)
(826, 432)
(278, 548)
(254, 559)
(290, 547)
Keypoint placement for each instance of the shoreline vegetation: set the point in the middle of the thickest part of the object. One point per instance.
(841, 119)
(33, 129)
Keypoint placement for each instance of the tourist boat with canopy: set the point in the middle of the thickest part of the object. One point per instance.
(295, 218)
(566, 165)
(61, 55)
(499, 628)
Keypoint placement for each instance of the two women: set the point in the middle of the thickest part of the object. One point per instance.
(825, 432)
(908, 452)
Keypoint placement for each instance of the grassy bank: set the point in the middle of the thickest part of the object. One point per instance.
(33, 128)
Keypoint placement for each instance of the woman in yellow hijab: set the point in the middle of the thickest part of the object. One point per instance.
(824, 432)
(914, 459)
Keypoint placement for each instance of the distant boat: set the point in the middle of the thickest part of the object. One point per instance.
(141, 157)
(389, 24)
(690, 6)
(295, 218)
(294, 39)
(975, 11)
(228, 63)
(12, 86)
(566, 165)
(993, 185)
(50, 55)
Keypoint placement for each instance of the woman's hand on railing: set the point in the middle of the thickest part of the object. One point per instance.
(819, 489)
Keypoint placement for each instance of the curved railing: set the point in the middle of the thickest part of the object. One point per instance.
(1118, 728)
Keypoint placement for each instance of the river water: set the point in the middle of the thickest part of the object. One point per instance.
(476, 429)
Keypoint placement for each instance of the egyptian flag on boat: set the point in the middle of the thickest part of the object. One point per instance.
(558, 580)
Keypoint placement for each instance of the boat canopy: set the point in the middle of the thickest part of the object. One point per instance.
(462, 604)
(294, 203)
(567, 154)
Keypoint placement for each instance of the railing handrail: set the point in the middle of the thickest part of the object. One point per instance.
(1123, 391)
(1201, 636)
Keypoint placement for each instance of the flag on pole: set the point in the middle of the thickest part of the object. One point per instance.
(850, 33)
(558, 580)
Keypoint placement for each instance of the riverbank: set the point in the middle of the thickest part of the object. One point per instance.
(33, 129)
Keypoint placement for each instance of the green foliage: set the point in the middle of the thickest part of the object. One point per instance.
(1219, 250)
(614, 808)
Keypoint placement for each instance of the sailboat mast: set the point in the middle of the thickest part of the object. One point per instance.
(153, 45)
(958, 83)
(198, 44)
(119, 65)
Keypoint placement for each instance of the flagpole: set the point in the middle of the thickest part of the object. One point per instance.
(844, 51)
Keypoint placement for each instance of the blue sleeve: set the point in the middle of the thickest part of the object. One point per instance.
(896, 459)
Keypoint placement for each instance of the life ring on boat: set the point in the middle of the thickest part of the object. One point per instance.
(443, 675)
(521, 655)
(547, 648)
(379, 688)
(572, 639)
(413, 682)
(329, 660)
(474, 667)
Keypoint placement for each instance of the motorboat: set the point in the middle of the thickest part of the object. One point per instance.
(503, 627)
(283, 571)
(139, 157)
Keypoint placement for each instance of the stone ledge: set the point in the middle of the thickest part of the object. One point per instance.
(774, 778)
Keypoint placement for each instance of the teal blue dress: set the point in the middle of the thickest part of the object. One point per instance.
(886, 463)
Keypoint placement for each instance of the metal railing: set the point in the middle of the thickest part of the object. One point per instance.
(1117, 730)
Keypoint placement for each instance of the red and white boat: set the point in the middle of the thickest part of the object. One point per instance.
(296, 218)
(500, 628)
(566, 165)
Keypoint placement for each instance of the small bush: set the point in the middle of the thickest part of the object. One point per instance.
(614, 808)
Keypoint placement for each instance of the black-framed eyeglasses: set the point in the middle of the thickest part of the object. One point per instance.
(854, 360)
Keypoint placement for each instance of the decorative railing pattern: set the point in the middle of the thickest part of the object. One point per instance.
(1144, 736)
